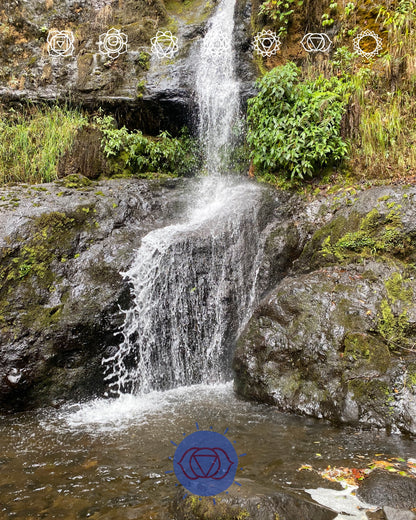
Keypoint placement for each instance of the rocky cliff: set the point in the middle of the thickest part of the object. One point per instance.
(141, 90)
(63, 247)
(333, 335)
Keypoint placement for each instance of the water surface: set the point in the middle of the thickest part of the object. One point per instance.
(107, 459)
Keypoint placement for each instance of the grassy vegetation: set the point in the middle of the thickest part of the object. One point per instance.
(388, 134)
(380, 121)
(384, 140)
(33, 140)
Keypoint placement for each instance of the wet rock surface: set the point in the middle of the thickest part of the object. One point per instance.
(335, 338)
(397, 514)
(62, 251)
(63, 247)
(386, 489)
(252, 502)
(333, 334)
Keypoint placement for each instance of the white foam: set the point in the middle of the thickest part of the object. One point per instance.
(344, 502)
(121, 412)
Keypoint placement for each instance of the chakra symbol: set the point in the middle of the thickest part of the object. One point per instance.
(214, 48)
(164, 44)
(367, 34)
(112, 43)
(267, 43)
(60, 43)
(205, 462)
(316, 42)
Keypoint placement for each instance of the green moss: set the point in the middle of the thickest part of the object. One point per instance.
(141, 85)
(397, 290)
(367, 351)
(144, 60)
(189, 11)
(75, 181)
(393, 323)
(372, 393)
(410, 380)
(393, 328)
(317, 247)
(36, 254)
(27, 271)
(377, 235)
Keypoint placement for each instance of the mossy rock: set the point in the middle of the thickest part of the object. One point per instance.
(194, 507)
(75, 181)
(367, 352)
(352, 237)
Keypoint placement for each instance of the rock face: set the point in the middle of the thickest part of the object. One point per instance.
(256, 503)
(141, 91)
(335, 338)
(62, 249)
(332, 337)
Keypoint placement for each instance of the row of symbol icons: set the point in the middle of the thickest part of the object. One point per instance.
(267, 43)
(165, 45)
(111, 44)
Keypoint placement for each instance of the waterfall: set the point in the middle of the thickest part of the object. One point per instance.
(217, 87)
(193, 283)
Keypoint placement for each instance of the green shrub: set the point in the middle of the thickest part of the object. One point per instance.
(294, 126)
(132, 152)
(280, 11)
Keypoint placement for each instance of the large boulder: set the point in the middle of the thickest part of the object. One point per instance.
(335, 338)
(63, 247)
(62, 297)
(385, 489)
(251, 501)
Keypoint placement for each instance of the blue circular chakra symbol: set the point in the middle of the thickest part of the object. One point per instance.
(205, 463)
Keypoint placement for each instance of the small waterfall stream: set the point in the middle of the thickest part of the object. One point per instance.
(193, 283)
(217, 88)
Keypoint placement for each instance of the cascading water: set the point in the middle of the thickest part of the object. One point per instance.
(217, 88)
(194, 282)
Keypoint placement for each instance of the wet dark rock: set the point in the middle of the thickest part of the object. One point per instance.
(62, 251)
(63, 247)
(253, 502)
(245, 66)
(398, 514)
(387, 489)
(334, 339)
(376, 515)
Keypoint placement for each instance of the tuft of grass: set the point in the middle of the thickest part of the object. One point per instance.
(388, 134)
(33, 140)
